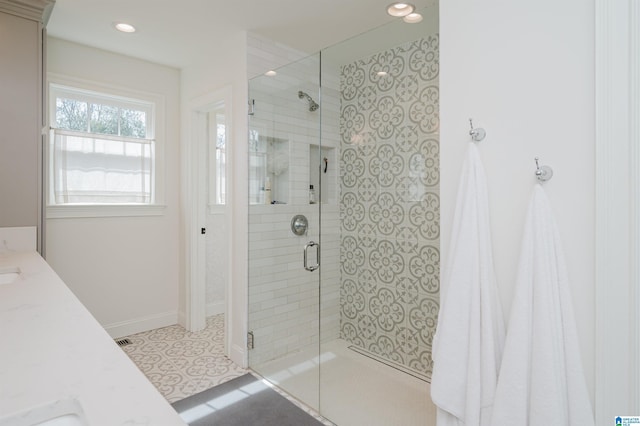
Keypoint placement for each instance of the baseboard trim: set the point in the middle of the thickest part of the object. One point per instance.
(138, 325)
(238, 355)
(215, 308)
(182, 319)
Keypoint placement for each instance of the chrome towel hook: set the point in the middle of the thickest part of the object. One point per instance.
(476, 134)
(544, 173)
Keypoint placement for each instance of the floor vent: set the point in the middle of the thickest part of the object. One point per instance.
(123, 342)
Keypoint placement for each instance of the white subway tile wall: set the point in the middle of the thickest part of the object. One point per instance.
(283, 298)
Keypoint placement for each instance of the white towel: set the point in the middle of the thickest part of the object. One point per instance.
(541, 380)
(470, 335)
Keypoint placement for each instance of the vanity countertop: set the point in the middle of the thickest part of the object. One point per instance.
(53, 350)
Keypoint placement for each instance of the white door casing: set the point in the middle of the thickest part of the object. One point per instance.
(617, 209)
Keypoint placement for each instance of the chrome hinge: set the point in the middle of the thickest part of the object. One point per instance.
(250, 340)
(252, 105)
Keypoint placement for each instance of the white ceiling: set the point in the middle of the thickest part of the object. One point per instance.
(179, 32)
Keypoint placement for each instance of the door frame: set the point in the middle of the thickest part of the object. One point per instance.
(617, 108)
(196, 209)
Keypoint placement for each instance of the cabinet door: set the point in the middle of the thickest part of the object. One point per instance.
(20, 109)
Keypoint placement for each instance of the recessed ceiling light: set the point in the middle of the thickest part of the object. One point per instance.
(270, 73)
(382, 73)
(400, 9)
(124, 27)
(412, 18)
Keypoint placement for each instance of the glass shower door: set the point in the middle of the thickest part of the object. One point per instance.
(380, 247)
(353, 338)
(284, 228)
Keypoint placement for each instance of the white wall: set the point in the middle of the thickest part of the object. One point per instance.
(524, 71)
(125, 270)
(217, 261)
(224, 65)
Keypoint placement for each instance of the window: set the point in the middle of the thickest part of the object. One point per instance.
(102, 149)
(217, 165)
(208, 153)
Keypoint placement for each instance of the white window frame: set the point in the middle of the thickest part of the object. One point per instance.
(155, 130)
(213, 203)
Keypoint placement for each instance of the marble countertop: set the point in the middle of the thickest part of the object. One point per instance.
(52, 350)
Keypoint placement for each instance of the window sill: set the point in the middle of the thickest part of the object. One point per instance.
(120, 210)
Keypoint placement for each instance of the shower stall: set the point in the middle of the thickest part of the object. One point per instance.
(344, 252)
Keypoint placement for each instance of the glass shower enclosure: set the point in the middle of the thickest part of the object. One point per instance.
(284, 222)
(344, 225)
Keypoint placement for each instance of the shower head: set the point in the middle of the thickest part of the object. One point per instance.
(313, 106)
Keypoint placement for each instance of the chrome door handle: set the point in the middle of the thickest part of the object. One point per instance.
(306, 249)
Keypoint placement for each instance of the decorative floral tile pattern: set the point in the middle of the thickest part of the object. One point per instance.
(180, 363)
(390, 203)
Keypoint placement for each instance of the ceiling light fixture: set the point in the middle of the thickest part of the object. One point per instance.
(412, 18)
(400, 9)
(382, 73)
(124, 27)
(270, 73)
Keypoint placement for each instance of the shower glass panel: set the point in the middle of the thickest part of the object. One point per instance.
(284, 151)
(381, 251)
(353, 339)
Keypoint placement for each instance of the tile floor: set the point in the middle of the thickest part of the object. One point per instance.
(180, 363)
(353, 389)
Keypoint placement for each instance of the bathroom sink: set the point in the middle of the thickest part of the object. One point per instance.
(67, 412)
(9, 275)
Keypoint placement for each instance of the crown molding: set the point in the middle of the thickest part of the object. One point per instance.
(37, 10)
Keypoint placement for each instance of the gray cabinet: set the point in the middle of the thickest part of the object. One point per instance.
(21, 111)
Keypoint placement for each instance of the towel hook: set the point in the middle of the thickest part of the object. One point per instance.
(476, 134)
(544, 173)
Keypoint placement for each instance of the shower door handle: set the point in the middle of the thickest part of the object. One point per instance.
(306, 249)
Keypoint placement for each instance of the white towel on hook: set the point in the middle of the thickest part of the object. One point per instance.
(541, 380)
(469, 340)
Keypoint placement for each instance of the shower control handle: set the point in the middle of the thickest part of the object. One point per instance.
(306, 249)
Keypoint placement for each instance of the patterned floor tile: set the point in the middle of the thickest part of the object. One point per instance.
(180, 363)
(147, 362)
(209, 382)
(171, 385)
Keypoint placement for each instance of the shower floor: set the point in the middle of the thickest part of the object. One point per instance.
(353, 388)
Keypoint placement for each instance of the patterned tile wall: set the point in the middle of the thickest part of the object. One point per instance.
(389, 203)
